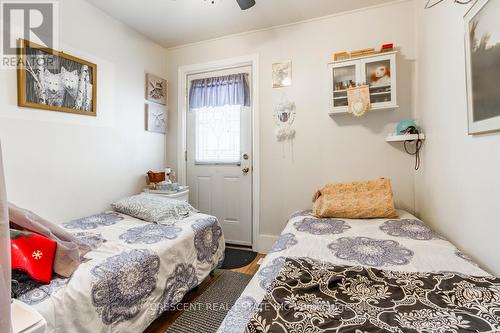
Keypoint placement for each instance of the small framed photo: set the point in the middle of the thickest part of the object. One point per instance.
(282, 74)
(482, 49)
(156, 118)
(156, 89)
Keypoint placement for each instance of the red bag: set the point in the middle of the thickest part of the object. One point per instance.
(33, 254)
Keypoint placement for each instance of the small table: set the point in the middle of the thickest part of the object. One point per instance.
(182, 194)
(25, 319)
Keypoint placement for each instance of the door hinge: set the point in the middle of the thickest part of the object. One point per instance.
(185, 155)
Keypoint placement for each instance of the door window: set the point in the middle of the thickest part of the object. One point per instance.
(217, 135)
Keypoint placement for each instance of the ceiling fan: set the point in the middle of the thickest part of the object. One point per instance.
(244, 4)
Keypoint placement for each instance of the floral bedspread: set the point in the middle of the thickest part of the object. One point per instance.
(405, 244)
(313, 296)
(136, 271)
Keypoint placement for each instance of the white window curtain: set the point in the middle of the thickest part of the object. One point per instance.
(218, 134)
(5, 273)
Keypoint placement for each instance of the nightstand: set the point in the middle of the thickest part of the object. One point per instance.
(25, 319)
(182, 195)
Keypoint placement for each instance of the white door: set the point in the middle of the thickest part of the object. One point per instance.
(219, 162)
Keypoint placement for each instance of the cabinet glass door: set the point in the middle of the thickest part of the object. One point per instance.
(378, 77)
(343, 78)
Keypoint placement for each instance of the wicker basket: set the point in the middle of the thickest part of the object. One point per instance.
(156, 177)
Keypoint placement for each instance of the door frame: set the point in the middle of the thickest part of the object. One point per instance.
(183, 72)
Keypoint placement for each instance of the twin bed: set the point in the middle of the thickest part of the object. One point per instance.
(135, 271)
(336, 267)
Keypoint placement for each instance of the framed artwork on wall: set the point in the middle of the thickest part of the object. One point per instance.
(282, 74)
(482, 49)
(55, 81)
(156, 118)
(156, 89)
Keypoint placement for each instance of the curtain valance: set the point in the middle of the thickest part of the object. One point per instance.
(219, 91)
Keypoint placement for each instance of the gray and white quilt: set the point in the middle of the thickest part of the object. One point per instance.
(136, 271)
(400, 245)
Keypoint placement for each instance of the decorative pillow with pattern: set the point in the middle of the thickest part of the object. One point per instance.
(356, 200)
(154, 208)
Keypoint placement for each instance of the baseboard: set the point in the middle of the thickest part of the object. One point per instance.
(265, 243)
(238, 247)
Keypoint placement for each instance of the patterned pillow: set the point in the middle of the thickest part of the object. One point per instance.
(356, 200)
(154, 208)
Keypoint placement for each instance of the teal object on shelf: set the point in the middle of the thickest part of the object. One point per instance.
(404, 125)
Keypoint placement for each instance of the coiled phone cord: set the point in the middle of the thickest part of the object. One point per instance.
(416, 153)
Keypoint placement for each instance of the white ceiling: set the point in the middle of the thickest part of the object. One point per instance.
(176, 22)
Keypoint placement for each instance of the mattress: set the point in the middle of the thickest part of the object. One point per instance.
(405, 244)
(136, 271)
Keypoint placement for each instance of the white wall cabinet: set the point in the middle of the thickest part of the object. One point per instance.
(362, 70)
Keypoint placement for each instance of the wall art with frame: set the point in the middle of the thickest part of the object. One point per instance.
(55, 81)
(482, 47)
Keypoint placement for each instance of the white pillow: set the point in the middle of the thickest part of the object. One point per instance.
(154, 208)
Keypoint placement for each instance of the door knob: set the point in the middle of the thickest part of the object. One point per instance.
(246, 170)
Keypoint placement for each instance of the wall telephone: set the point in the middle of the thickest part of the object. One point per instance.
(408, 126)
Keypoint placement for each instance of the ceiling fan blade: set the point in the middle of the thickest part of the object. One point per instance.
(245, 4)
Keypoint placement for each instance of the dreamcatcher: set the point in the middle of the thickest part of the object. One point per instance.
(284, 116)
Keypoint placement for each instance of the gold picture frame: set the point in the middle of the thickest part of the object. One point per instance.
(52, 80)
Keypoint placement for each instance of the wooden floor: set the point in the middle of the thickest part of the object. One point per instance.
(252, 268)
(161, 324)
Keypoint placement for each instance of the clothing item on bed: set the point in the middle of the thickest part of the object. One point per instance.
(69, 248)
(405, 245)
(135, 271)
(314, 296)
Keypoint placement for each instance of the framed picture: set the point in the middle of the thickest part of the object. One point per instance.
(156, 89)
(156, 118)
(483, 66)
(55, 81)
(282, 74)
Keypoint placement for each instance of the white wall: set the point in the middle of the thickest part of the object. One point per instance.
(325, 149)
(458, 188)
(64, 166)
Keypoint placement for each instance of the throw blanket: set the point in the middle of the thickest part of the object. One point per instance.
(313, 296)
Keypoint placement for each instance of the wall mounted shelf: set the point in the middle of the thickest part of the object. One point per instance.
(360, 70)
(374, 108)
(405, 137)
